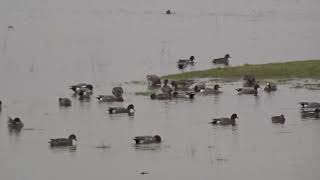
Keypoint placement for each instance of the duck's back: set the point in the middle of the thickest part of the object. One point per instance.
(144, 139)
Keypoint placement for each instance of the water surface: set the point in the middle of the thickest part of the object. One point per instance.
(58, 43)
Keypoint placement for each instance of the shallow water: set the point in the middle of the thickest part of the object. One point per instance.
(56, 43)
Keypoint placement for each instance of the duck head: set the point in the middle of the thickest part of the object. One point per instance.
(157, 138)
(17, 120)
(227, 56)
(89, 86)
(72, 137)
(168, 12)
(234, 116)
(191, 58)
(130, 107)
(216, 87)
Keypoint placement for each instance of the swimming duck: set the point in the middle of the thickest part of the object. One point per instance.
(153, 80)
(147, 139)
(109, 98)
(182, 85)
(311, 114)
(161, 96)
(118, 110)
(15, 123)
(81, 87)
(224, 60)
(182, 63)
(64, 102)
(117, 91)
(270, 87)
(249, 90)
(250, 80)
(187, 61)
(209, 91)
(310, 104)
(63, 141)
(198, 86)
(188, 95)
(278, 119)
(225, 121)
(166, 89)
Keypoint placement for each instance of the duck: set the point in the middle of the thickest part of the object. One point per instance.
(310, 104)
(109, 98)
(10, 27)
(63, 141)
(147, 139)
(270, 87)
(153, 80)
(278, 119)
(188, 95)
(82, 87)
(311, 114)
(224, 60)
(15, 123)
(181, 85)
(117, 91)
(253, 91)
(182, 63)
(209, 91)
(250, 80)
(198, 86)
(117, 110)
(161, 96)
(64, 102)
(187, 61)
(225, 120)
(166, 89)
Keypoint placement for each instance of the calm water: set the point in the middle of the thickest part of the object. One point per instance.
(58, 43)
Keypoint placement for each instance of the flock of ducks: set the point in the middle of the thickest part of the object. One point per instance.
(84, 92)
(180, 89)
(183, 63)
(189, 88)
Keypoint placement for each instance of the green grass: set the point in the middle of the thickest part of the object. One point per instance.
(293, 69)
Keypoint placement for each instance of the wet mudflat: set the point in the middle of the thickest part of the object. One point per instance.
(56, 44)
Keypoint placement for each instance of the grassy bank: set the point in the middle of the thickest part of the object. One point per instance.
(293, 69)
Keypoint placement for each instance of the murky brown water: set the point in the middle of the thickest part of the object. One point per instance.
(58, 43)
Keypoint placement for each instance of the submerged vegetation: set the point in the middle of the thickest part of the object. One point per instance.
(294, 69)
